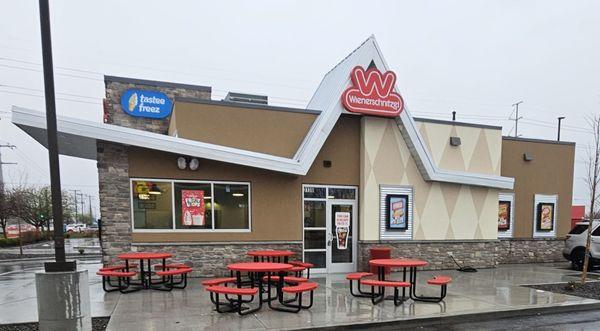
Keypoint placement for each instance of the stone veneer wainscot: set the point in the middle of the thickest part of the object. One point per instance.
(113, 159)
(475, 253)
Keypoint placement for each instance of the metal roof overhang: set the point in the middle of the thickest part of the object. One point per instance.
(77, 137)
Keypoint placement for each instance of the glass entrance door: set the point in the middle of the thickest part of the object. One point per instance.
(341, 246)
(330, 227)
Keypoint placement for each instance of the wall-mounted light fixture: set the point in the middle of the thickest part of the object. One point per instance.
(154, 189)
(183, 163)
(194, 164)
(527, 157)
(454, 141)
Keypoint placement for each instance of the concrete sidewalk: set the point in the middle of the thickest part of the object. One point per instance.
(18, 303)
(487, 291)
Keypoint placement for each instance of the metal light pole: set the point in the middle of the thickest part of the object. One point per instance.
(559, 120)
(59, 241)
(62, 291)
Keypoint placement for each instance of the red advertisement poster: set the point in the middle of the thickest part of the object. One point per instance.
(192, 208)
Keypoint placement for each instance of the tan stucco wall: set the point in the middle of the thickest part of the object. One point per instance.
(441, 210)
(276, 197)
(266, 130)
(550, 172)
(342, 148)
(480, 149)
(276, 200)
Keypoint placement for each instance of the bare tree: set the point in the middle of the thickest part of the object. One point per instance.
(592, 179)
(6, 211)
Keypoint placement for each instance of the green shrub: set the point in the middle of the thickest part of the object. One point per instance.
(9, 242)
(85, 234)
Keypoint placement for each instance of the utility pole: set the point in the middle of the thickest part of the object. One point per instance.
(81, 201)
(517, 117)
(559, 120)
(61, 263)
(3, 163)
(75, 195)
(90, 207)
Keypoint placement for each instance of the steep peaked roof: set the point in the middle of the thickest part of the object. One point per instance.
(84, 133)
(327, 99)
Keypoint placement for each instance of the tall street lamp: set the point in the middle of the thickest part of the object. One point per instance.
(62, 291)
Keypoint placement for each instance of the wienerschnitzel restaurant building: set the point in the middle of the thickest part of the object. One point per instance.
(209, 180)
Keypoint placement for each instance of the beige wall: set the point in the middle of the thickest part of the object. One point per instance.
(270, 131)
(550, 172)
(480, 150)
(441, 210)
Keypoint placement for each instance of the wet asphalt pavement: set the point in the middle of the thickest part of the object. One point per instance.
(585, 320)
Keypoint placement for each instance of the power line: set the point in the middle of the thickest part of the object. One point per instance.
(39, 90)
(41, 96)
(58, 67)
(58, 74)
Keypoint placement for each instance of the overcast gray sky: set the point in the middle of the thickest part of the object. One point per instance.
(475, 57)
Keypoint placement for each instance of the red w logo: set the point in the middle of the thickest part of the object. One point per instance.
(372, 93)
(373, 81)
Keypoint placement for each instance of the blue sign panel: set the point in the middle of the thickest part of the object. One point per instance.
(144, 103)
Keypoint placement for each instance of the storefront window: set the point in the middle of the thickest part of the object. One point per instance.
(312, 192)
(193, 205)
(152, 205)
(314, 214)
(341, 193)
(178, 205)
(231, 206)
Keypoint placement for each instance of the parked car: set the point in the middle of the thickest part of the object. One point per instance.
(574, 249)
(77, 227)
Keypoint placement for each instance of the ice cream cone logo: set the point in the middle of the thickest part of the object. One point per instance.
(133, 101)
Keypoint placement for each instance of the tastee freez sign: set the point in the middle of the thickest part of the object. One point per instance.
(372, 93)
(146, 103)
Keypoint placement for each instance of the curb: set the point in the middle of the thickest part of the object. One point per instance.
(405, 324)
(51, 257)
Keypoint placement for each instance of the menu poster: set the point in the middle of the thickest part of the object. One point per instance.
(397, 212)
(192, 208)
(342, 227)
(504, 215)
(545, 216)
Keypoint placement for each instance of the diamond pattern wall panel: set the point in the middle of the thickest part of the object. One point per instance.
(441, 210)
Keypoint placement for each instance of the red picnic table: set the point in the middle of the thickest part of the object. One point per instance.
(411, 264)
(271, 255)
(145, 275)
(259, 269)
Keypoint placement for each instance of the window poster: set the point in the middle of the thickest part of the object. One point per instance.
(192, 208)
(397, 212)
(545, 216)
(342, 227)
(504, 215)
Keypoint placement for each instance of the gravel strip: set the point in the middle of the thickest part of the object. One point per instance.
(590, 290)
(98, 324)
